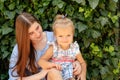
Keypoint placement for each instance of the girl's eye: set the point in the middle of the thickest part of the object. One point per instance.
(30, 33)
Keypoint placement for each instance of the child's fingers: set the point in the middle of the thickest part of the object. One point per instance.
(58, 67)
(79, 77)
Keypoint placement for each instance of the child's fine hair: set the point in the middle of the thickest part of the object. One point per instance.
(62, 21)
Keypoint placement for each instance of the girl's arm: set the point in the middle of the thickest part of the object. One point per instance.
(37, 76)
(76, 68)
(43, 61)
(83, 66)
(12, 63)
(13, 60)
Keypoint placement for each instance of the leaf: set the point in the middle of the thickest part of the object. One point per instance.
(41, 10)
(3, 76)
(45, 24)
(107, 62)
(86, 42)
(81, 27)
(46, 3)
(115, 62)
(116, 71)
(96, 49)
(81, 9)
(112, 53)
(95, 72)
(103, 70)
(78, 1)
(10, 14)
(95, 34)
(93, 3)
(114, 19)
(110, 77)
(115, 0)
(11, 6)
(5, 54)
(111, 48)
(58, 3)
(70, 10)
(2, 0)
(6, 30)
(95, 62)
(103, 20)
(1, 6)
(100, 54)
(112, 5)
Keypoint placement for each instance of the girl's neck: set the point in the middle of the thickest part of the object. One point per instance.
(65, 47)
(39, 45)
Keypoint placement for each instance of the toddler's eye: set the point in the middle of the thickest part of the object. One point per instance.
(59, 36)
(68, 35)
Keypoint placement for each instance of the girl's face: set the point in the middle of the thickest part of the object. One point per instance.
(35, 32)
(64, 36)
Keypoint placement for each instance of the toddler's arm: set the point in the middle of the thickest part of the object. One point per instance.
(44, 63)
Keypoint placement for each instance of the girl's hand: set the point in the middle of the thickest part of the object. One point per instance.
(76, 68)
(81, 77)
(57, 66)
(36, 76)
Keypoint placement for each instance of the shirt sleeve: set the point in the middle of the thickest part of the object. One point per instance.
(51, 37)
(12, 62)
(76, 48)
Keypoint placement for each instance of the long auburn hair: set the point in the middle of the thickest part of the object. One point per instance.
(26, 51)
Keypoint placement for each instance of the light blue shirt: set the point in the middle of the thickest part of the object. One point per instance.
(14, 55)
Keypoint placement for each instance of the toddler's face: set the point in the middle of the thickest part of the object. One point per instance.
(64, 36)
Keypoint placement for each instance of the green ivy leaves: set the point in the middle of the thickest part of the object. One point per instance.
(58, 3)
(80, 26)
(93, 3)
(96, 30)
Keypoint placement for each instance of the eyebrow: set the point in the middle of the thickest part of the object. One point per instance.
(37, 26)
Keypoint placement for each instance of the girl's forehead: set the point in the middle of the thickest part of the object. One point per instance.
(64, 30)
(64, 26)
(33, 26)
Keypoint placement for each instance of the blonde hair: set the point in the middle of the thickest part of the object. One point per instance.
(61, 19)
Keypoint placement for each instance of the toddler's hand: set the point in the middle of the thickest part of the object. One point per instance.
(57, 66)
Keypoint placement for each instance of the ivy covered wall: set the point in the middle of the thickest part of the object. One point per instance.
(96, 24)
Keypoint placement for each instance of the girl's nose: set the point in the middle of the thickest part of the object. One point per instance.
(37, 33)
(65, 39)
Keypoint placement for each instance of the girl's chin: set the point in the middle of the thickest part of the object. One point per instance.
(37, 40)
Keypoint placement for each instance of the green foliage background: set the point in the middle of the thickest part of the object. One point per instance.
(96, 24)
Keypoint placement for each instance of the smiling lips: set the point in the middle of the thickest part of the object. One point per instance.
(40, 37)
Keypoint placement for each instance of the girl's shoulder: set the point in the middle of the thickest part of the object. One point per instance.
(75, 45)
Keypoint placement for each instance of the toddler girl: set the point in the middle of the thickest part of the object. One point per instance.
(63, 52)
